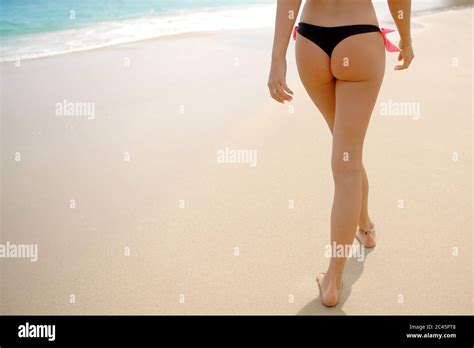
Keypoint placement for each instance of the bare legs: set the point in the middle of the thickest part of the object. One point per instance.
(345, 88)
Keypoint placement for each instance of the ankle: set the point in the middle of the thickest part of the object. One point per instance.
(366, 224)
(333, 278)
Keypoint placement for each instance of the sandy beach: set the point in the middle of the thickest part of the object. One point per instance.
(111, 166)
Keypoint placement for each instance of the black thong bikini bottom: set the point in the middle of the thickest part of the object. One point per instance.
(329, 37)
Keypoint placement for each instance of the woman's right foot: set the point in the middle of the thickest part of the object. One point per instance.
(366, 237)
(330, 291)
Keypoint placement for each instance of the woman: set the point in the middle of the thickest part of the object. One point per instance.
(341, 62)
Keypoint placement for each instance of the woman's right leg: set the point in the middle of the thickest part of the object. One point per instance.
(316, 76)
(351, 191)
(358, 63)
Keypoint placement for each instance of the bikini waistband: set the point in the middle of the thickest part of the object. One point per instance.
(389, 46)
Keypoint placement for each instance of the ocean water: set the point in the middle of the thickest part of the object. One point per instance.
(36, 28)
(33, 16)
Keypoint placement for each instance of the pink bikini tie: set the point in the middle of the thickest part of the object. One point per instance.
(294, 32)
(389, 46)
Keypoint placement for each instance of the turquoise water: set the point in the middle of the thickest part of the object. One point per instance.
(33, 16)
(38, 28)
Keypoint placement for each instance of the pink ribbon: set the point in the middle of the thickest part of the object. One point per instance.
(390, 47)
(294, 32)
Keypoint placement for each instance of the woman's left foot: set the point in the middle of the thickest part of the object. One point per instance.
(330, 292)
(366, 237)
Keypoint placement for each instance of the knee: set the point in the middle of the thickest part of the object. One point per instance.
(346, 171)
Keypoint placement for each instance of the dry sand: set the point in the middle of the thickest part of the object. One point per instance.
(183, 260)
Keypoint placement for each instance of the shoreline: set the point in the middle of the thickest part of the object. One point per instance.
(118, 45)
(415, 15)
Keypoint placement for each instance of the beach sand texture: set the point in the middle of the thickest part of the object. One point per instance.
(219, 238)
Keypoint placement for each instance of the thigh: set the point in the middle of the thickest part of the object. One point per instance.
(354, 105)
(314, 68)
(357, 87)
